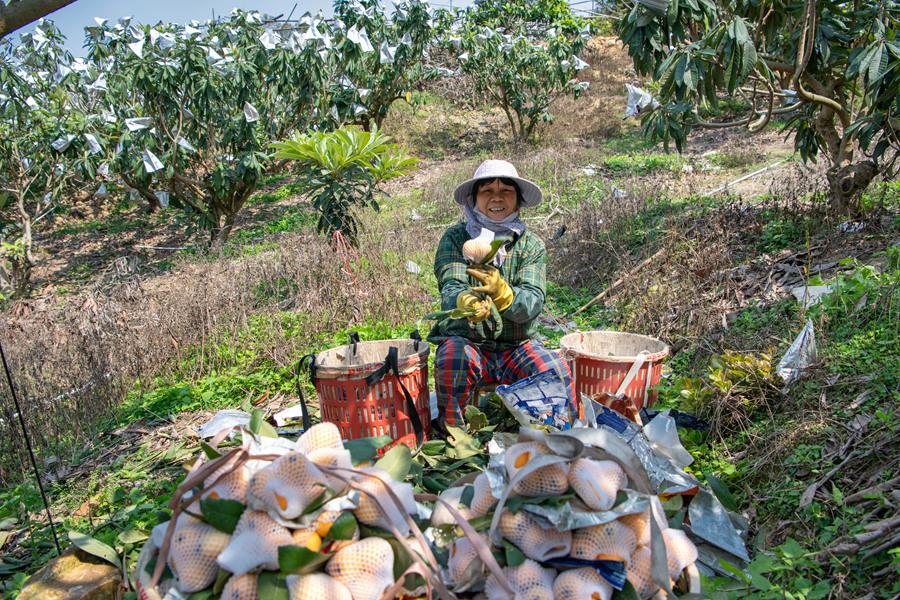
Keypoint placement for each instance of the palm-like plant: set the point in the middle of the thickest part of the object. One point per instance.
(342, 171)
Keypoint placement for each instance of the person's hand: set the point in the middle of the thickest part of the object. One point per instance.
(474, 302)
(493, 285)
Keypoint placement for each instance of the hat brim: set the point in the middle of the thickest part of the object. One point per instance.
(531, 193)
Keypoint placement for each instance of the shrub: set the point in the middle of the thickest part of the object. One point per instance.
(342, 170)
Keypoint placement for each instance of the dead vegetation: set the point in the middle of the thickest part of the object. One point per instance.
(75, 358)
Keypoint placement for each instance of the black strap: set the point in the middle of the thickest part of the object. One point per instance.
(416, 337)
(354, 340)
(391, 365)
(304, 411)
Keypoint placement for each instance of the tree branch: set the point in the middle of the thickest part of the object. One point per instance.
(19, 13)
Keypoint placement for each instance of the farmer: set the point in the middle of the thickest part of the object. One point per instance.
(494, 345)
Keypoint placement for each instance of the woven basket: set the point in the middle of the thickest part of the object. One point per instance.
(601, 360)
(360, 410)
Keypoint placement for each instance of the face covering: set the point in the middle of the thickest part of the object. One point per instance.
(476, 220)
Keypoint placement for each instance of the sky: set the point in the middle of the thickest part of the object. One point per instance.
(73, 18)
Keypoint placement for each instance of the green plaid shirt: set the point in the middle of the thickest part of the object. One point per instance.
(524, 268)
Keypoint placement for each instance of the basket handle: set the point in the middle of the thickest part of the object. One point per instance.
(632, 372)
(391, 365)
(304, 411)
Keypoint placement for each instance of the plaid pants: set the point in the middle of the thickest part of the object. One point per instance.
(460, 367)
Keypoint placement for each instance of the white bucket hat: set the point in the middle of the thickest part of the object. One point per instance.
(499, 169)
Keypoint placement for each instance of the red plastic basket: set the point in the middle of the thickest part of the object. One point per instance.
(360, 410)
(600, 361)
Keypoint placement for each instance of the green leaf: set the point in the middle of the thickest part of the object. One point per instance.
(495, 247)
(877, 65)
(221, 579)
(721, 491)
(210, 452)
(293, 560)
(475, 419)
(514, 503)
(402, 559)
(514, 556)
(272, 586)
(396, 461)
(462, 444)
(319, 501)
(792, 548)
(221, 513)
(256, 420)
(837, 494)
(465, 498)
(132, 536)
(626, 593)
(734, 570)
(434, 447)
(94, 547)
(266, 430)
(344, 527)
(365, 449)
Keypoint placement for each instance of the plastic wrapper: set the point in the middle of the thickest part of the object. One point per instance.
(663, 436)
(152, 164)
(224, 419)
(801, 355)
(567, 516)
(251, 115)
(539, 400)
(637, 101)
(712, 523)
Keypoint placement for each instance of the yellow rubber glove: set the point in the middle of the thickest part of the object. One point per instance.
(493, 285)
(472, 301)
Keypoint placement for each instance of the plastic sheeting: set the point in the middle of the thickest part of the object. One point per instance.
(800, 356)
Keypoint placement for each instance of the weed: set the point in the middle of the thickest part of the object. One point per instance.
(288, 219)
(736, 159)
(642, 164)
(628, 141)
(781, 231)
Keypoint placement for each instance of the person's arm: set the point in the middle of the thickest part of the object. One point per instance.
(528, 284)
(450, 269)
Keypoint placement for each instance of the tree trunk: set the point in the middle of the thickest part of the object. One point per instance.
(22, 264)
(846, 184)
(19, 13)
(223, 224)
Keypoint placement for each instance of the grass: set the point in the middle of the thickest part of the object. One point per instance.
(782, 231)
(858, 335)
(643, 164)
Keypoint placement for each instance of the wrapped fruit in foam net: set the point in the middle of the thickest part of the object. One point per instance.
(305, 511)
(535, 541)
(585, 582)
(254, 544)
(476, 250)
(288, 485)
(376, 506)
(366, 568)
(195, 546)
(597, 481)
(464, 565)
(316, 586)
(550, 515)
(528, 580)
(550, 480)
(241, 587)
(441, 514)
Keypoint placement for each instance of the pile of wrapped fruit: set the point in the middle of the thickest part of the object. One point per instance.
(573, 514)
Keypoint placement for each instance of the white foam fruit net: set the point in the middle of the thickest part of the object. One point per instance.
(562, 515)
